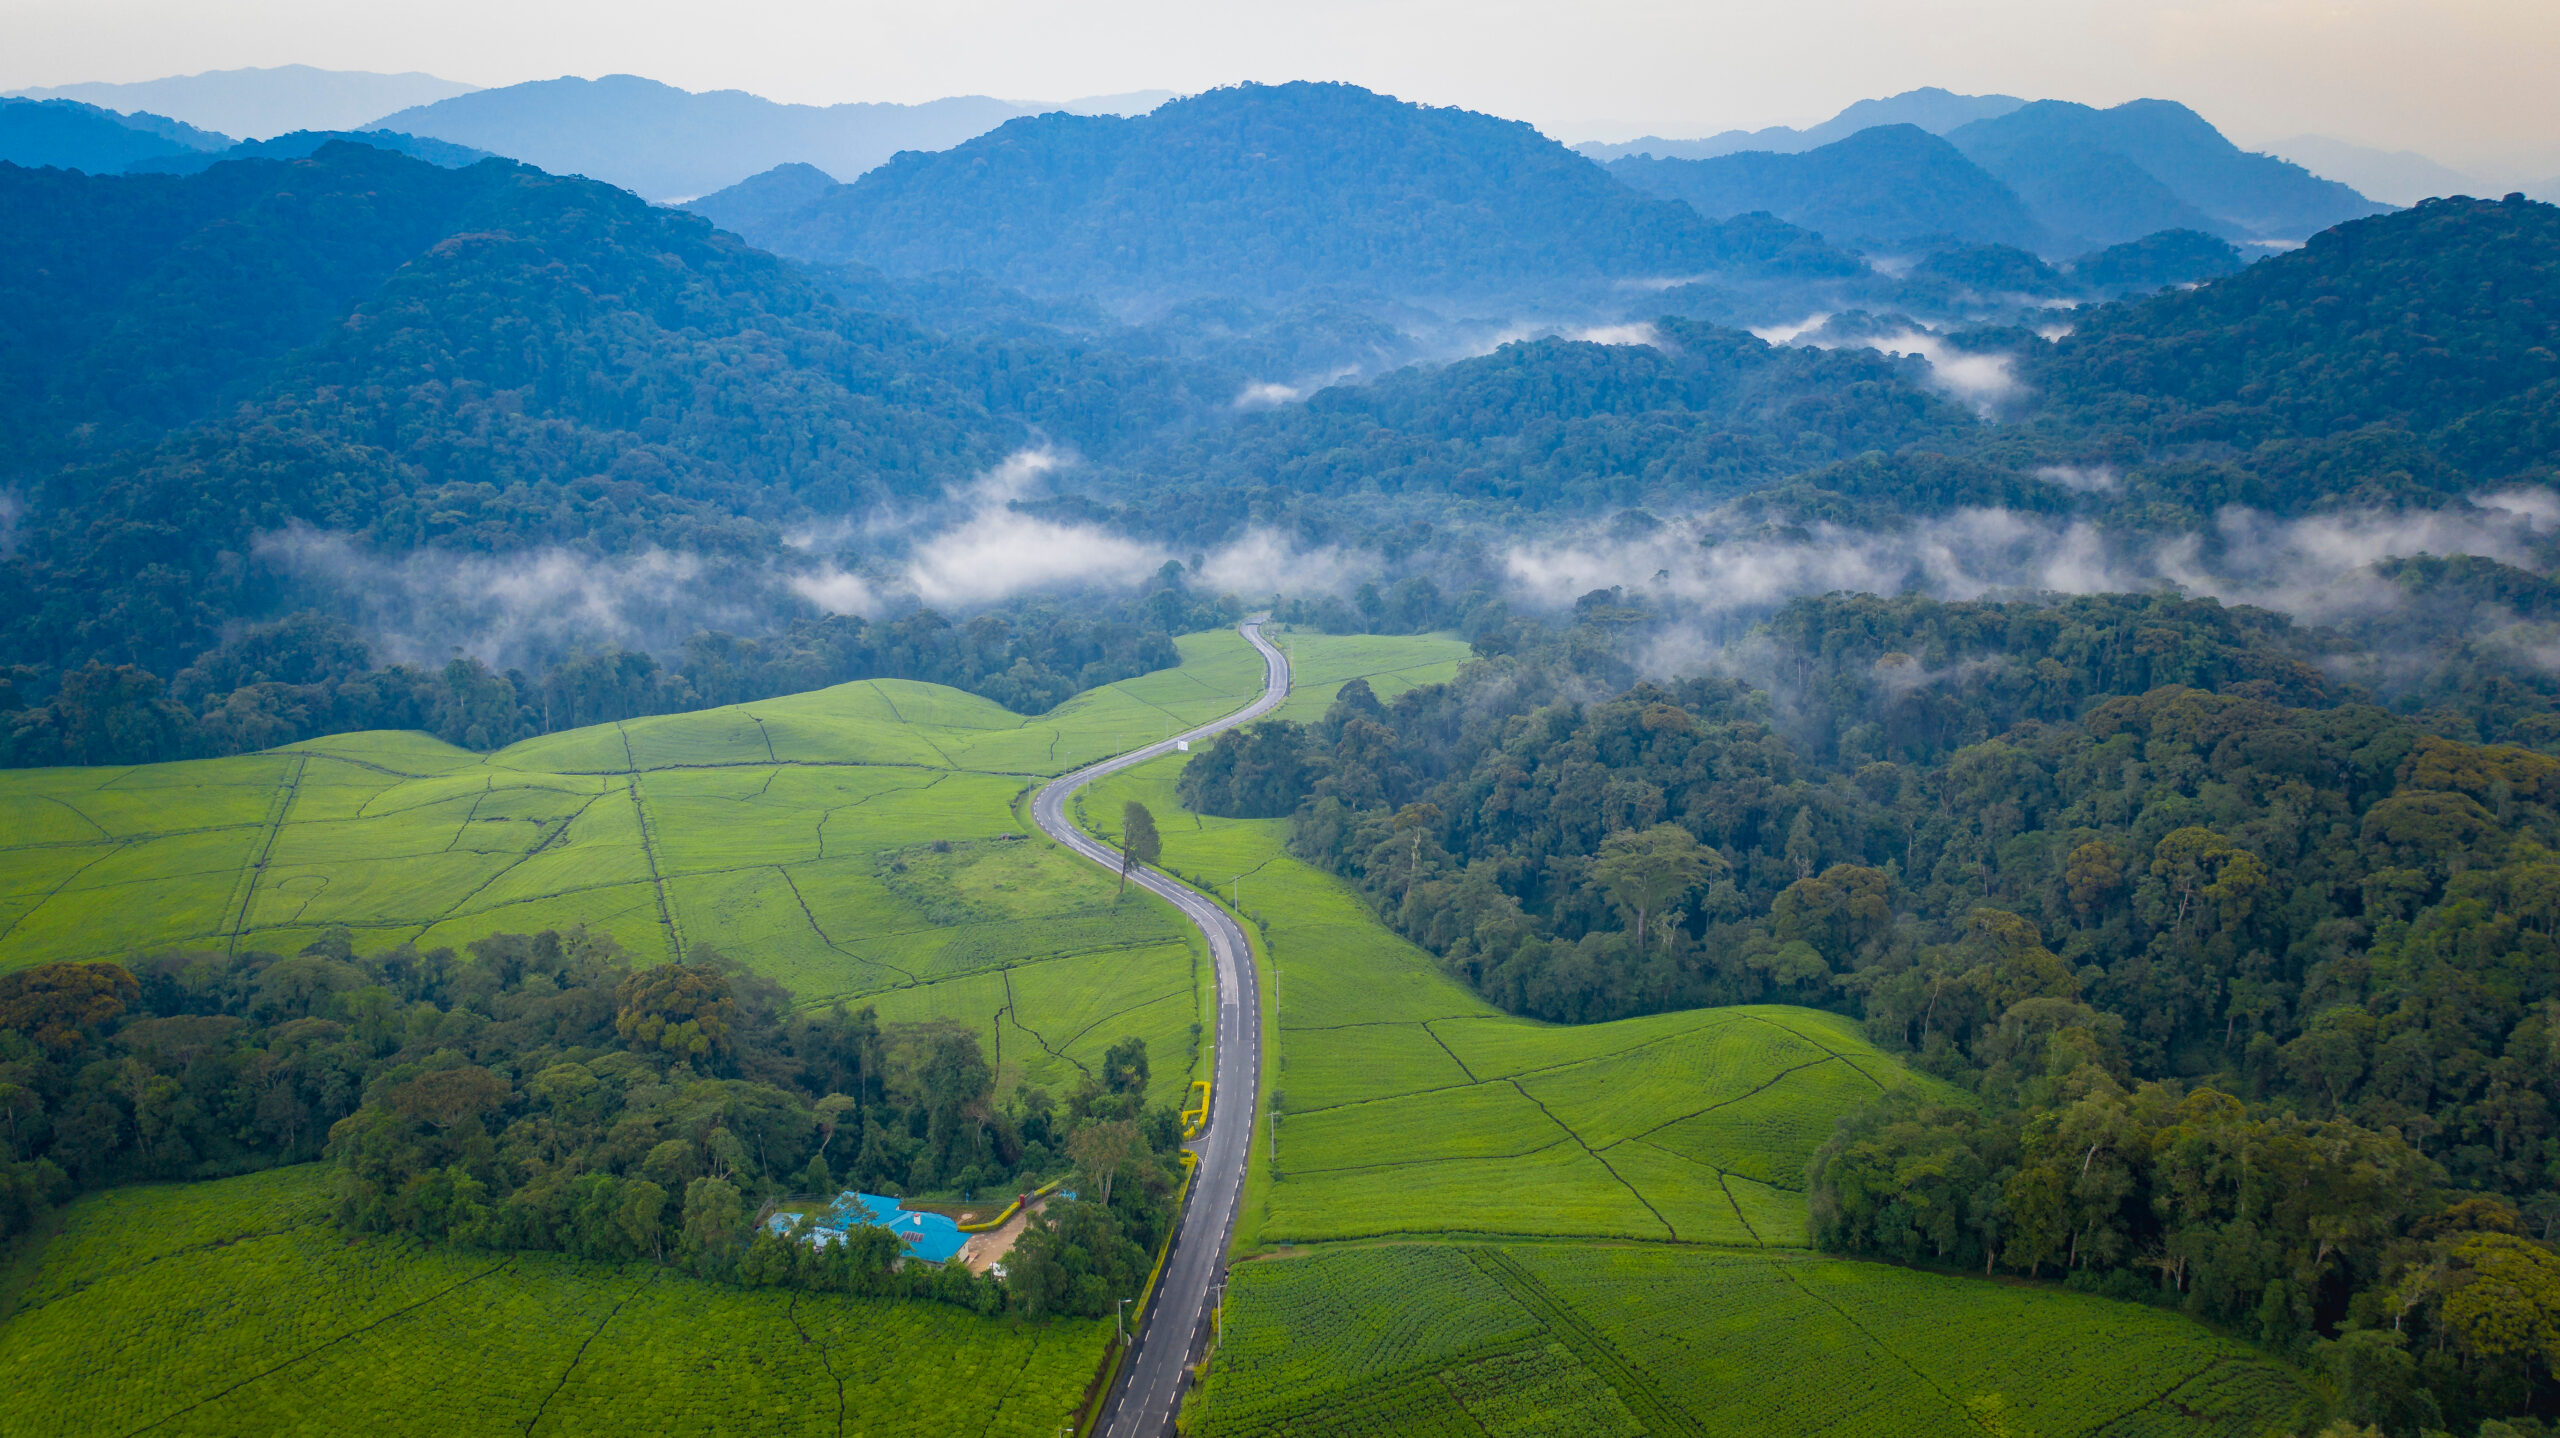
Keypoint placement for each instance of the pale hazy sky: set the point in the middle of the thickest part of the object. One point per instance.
(2466, 81)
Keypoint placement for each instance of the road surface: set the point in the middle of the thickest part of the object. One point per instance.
(1151, 1382)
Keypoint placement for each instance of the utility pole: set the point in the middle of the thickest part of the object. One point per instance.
(1118, 1322)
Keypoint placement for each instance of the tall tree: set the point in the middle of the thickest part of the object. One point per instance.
(1100, 1148)
(1643, 870)
(1139, 842)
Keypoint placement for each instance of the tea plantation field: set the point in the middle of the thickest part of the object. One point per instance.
(1434, 1338)
(855, 842)
(230, 1307)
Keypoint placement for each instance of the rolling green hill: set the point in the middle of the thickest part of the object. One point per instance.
(858, 842)
(847, 842)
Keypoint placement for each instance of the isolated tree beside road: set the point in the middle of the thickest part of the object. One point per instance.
(1139, 843)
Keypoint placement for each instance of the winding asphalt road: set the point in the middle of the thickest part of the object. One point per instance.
(1151, 1382)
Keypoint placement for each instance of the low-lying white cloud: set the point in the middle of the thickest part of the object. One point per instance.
(513, 608)
(2315, 568)
(2312, 567)
(995, 550)
(838, 591)
(1263, 561)
(1267, 394)
(1631, 334)
(1984, 381)
(1001, 552)
(1786, 334)
(2083, 478)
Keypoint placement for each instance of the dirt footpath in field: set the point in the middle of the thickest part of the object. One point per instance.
(985, 1250)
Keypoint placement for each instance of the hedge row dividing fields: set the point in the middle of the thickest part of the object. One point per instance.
(230, 1307)
(1377, 1338)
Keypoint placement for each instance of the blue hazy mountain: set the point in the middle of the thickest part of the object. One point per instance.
(2155, 262)
(1263, 190)
(261, 103)
(75, 136)
(759, 203)
(300, 144)
(1930, 108)
(668, 144)
(1889, 186)
(2103, 177)
(2395, 177)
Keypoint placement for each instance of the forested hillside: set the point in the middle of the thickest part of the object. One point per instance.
(2440, 325)
(229, 393)
(489, 360)
(2402, 357)
(2159, 894)
(1571, 426)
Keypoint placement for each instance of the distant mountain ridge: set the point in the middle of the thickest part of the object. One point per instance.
(2057, 178)
(667, 144)
(1888, 186)
(300, 144)
(1928, 108)
(1258, 190)
(2084, 171)
(71, 135)
(261, 104)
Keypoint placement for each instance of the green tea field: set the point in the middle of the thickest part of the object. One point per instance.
(232, 1307)
(859, 842)
(1320, 664)
(1433, 1338)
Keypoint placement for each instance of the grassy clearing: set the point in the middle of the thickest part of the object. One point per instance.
(229, 1307)
(1629, 1338)
(1320, 664)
